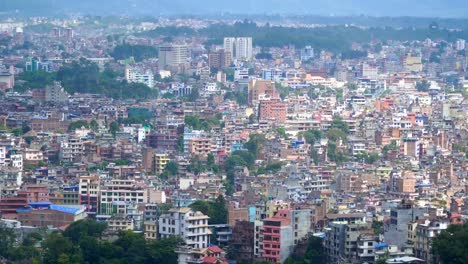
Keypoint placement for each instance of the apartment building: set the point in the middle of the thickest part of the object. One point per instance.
(190, 225)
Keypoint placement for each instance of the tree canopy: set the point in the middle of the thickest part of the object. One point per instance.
(450, 245)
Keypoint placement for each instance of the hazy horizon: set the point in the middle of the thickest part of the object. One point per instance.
(389, 8)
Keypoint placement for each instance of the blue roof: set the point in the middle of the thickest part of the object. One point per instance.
(381, 245)
(65, 209)
(39, 203)
(23, 210)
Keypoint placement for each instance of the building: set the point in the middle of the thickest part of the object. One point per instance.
(396, 230)
(7, 77)
(219, 59)
(172, 55)
(345, 242)
(239, 48)
(413, 64)
(426, 230)
(242, 241)
(134, 76)
(307, 53)
(259, 88)
(88, 193)
(278, 243)
(191, 226)
(55, 93)
(151, 230)
(272, 109)
(460, 44)
(71, 150)
(128, 191)
(45, 214)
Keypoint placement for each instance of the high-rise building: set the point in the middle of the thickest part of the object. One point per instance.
(307, 53)
(239, 48)
(172, 55)
(460, 44)
(219, 59)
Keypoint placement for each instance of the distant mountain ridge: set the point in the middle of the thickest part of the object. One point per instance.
(419, 8)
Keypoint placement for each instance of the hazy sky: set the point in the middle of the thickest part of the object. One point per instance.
(426, 8)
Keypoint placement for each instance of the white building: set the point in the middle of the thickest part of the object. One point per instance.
(71, 149)
(172, 55)
(55, 93)
(241, 75)
(460, 44)
(3, 152)
(191, 226)
(134, 76)
(240, 48)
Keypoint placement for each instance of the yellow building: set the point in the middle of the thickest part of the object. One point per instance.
(160, 162)
(413, 64)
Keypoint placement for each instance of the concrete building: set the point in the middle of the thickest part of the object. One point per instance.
(396, 230)
(191, 226)
(55, 93)
(172, 55)
(426, 230)
(307, 53)
(46, 214)
(239, 48)
(134, 76)
(71, 150)
(258, 88)
(272, 109)
(219, 59)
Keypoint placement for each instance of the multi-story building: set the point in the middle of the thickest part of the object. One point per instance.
(71, 150)
(122, 191)
(190, 225)
(55, 93)
(88, 192)
(258, 88)
(272, 109)
(349, 243)
(219, 59)
(134, 76)
(278, 242)
(426, 230)
(243, 240)
(201, 146)
(307, 53)
(239, 48)
(172, 55)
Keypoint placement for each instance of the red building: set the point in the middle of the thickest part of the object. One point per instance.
(272, 109)
(278, 241)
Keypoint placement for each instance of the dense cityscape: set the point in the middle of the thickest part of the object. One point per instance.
(233, 139)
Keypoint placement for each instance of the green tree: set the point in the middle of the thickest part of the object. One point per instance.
(7, 240)
(450, 245)
(311, 136)
(423, 86)
(171, 169)
(282, 132)
(77, 125)
(94, 125)
(114, 128)
(338, 123)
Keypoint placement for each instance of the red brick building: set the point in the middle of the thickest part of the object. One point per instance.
(272, 109)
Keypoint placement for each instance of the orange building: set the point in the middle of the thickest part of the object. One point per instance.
(272, 109)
